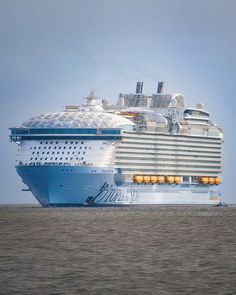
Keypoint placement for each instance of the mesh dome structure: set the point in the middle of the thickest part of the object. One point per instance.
(77, 120)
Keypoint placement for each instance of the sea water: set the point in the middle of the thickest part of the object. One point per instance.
(130, 250)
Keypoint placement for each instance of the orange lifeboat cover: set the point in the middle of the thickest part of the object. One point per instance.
(138, 178)
(160, 179)
(204, 180)
(211, 180)
(153, 179)
(217, 180)
(170, 179)
(146, 179)
(177, 179)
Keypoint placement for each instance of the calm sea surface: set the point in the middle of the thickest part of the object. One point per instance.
(139, 250)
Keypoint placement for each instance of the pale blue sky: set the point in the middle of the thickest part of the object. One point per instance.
(52, 52)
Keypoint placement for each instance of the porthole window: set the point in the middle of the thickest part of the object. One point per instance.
(85, 147)
(63, 152)
(70, 148)
(31, 159)
(83, 153)
(66, 158)
(51, 142)
(36, 158)
(72, 142)
(35, 147)
(41, 142)
(46, 142)
(33, 153)
(49, 147)
(73, 152)
(41, 159)
(39, 147)
(71, 158)
(66, 142)
(59, 147)
(55, 147)
(56, 158)
(80, 148)
(78, 153)
(51, 158)
(77, 158)
(46, 158)
(64, 147)
(53, 153)
(42, 152)
(37, 153)
(68, 153)
(74, 147)
(56, 142)
(45, 147)
(58, 152)
(82, 142)
(60, 158)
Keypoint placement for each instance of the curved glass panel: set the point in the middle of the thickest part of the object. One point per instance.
(77, 120)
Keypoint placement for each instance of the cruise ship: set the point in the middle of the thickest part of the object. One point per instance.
(143, 150)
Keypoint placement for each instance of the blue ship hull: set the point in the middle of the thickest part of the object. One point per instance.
(79, 186)
(64, 185)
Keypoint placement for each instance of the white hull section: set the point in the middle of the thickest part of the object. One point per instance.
(144, 195)
(77, 186)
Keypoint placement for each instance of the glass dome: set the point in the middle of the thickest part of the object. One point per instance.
(77, 120)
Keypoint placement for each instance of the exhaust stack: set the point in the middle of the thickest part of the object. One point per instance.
(160, 87)
(139, 88)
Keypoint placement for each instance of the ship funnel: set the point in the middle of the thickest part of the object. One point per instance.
(160, 87)
(139, 87)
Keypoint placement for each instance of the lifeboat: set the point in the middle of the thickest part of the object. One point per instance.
(138, 178)
(177, 179)
(153, 179)
(204, 180)
(160, 179)
(146, 179)
(217, 181)
(170, 179)
(211, 180)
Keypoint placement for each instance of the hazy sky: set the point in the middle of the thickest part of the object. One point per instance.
(52, 52)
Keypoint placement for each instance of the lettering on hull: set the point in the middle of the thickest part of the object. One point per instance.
(109, 194)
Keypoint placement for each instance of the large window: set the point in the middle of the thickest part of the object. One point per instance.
(63, 131)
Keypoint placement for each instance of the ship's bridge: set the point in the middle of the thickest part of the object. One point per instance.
(194, 113)
(71, 124)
